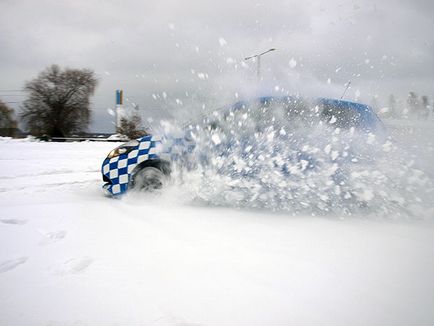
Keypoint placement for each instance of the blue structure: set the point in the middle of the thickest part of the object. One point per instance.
(119, 97)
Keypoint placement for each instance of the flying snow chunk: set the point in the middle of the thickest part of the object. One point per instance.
(357, 93)
(292, 63)
(329, 81)
(171, 26)
(201, 75)
(384, 110)
(222, 41)
(371, 138)
(334, 155)
(333, 120)
(387, 146)
(230, 61)
(111, 112)
(366, 195)
(216, 139)
(304, 164)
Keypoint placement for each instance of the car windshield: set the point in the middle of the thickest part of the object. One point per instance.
(340, 114)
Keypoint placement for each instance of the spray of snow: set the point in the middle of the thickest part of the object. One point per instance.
(259, 158)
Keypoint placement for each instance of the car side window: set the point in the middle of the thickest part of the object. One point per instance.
(341, 116)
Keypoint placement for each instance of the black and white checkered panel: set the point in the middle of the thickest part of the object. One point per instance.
(118, 169)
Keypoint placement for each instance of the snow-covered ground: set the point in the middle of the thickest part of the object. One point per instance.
(70, 256)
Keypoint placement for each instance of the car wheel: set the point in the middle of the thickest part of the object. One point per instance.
(149, 179)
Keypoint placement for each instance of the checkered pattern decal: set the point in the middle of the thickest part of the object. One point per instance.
(118, 169)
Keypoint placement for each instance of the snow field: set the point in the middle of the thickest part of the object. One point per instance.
(70, 256)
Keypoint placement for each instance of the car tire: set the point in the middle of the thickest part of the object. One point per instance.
(149, 179)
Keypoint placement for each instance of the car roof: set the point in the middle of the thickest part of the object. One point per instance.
(368, 119)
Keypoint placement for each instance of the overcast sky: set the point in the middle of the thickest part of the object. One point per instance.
(175, 58)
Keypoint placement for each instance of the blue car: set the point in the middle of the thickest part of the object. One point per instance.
(146, 163)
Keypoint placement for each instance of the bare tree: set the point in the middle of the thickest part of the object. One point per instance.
(413, 103)
(59, 101)
(425, 107)
(392, 106)
(374, 103)
(131, 127)
(8, 125)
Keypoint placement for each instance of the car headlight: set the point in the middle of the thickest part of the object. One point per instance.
(123, 149)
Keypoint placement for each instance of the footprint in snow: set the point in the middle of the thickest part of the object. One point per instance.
(77, 266)
(50, 237)
(15, 221)
(11, 264)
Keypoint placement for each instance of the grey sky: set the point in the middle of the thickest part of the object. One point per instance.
(175, 57)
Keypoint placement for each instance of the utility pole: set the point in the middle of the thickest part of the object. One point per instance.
(258, 62)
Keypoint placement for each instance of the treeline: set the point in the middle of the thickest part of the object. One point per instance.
(57, 104)
(411, 107)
